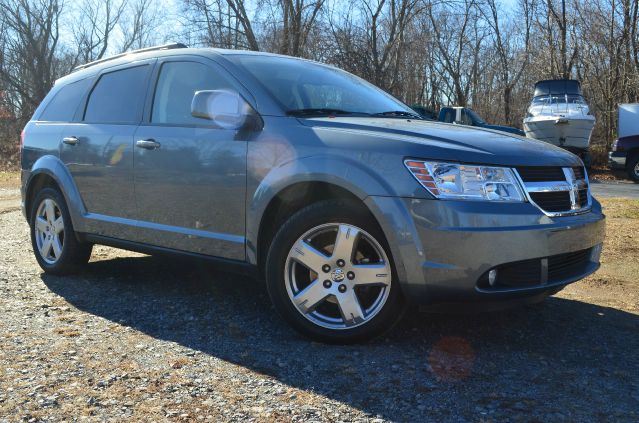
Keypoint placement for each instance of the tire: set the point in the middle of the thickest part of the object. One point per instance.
(587, 159)
(334, 297)
(633, 168)
(53, 239)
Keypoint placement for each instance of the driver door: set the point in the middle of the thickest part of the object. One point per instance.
(189, 176)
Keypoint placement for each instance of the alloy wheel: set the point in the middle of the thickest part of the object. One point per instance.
(338, 276)
(49, 231)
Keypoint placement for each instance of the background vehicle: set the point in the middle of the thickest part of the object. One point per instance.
(625, 149)
(340, 196)
(424, 112)
(559, 115)
(466, 116)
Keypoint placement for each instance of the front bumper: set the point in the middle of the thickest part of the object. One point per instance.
(443, 250)
(617, 160)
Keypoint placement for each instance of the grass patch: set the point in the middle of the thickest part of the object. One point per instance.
(620, 208)
(9, 179)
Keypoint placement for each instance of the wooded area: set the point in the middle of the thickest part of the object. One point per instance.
(485, 54)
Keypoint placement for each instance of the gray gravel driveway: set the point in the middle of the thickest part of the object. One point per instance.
(151, 339)
(615, 189)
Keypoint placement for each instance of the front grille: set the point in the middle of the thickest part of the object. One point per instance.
(541, 174)
(582, 199)
(555, 201)
(564, 266)
(538, 272)
(552, 189)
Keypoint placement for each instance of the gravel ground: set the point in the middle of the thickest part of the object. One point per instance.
(152, 339)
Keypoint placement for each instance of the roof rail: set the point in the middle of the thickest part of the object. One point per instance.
(169, 46)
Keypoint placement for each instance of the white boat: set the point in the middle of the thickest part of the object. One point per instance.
(559, 114)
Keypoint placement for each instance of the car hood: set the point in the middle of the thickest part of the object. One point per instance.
(440, 141)
(508, 129)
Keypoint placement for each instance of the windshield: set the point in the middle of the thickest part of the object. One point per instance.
(312, 88)
(475, 116)
(558, 99)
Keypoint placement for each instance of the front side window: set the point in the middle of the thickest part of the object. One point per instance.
(176, 86)
(64, 104)
(118, 97)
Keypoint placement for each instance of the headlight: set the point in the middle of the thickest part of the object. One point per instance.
(456, 181)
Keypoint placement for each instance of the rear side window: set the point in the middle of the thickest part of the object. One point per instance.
(118, 97)
(176, 85)
(64, 104)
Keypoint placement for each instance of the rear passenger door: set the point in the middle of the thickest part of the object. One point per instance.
(190, 176)
(98, 148)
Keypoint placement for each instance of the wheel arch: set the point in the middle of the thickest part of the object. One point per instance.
(306, 180)
(49, 171)
(290, 200)
(632, 153)
(296, 196)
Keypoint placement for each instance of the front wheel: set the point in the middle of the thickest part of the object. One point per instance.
(330, 274)
(54, 242)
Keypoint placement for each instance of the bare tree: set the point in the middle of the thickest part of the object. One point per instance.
(139, 24)
(30, 54)
(288, 25)
(97, 20)
(512, 55)
(225, 23)
(458, 38)
(371, 40)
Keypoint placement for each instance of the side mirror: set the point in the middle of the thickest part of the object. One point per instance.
(226, 109)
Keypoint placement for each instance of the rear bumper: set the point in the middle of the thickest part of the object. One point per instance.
(443, 250)
(617, 160)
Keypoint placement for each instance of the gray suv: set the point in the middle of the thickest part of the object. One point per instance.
(346, 202)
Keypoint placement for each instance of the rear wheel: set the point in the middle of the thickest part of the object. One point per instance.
(54, 242)
(633, 168)
(330, 274)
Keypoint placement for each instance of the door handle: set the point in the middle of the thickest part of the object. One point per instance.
(148, 144)
(70, 140)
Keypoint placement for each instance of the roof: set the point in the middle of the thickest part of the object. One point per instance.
(172, 49)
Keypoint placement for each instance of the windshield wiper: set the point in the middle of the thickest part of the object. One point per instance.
(401, 113)
(322, 112)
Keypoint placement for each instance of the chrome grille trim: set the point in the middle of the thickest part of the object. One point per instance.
(571, 184)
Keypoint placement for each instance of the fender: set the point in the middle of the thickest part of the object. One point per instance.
(345, 172)
(56, 169)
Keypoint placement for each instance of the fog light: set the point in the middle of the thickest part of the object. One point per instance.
(492, 277)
